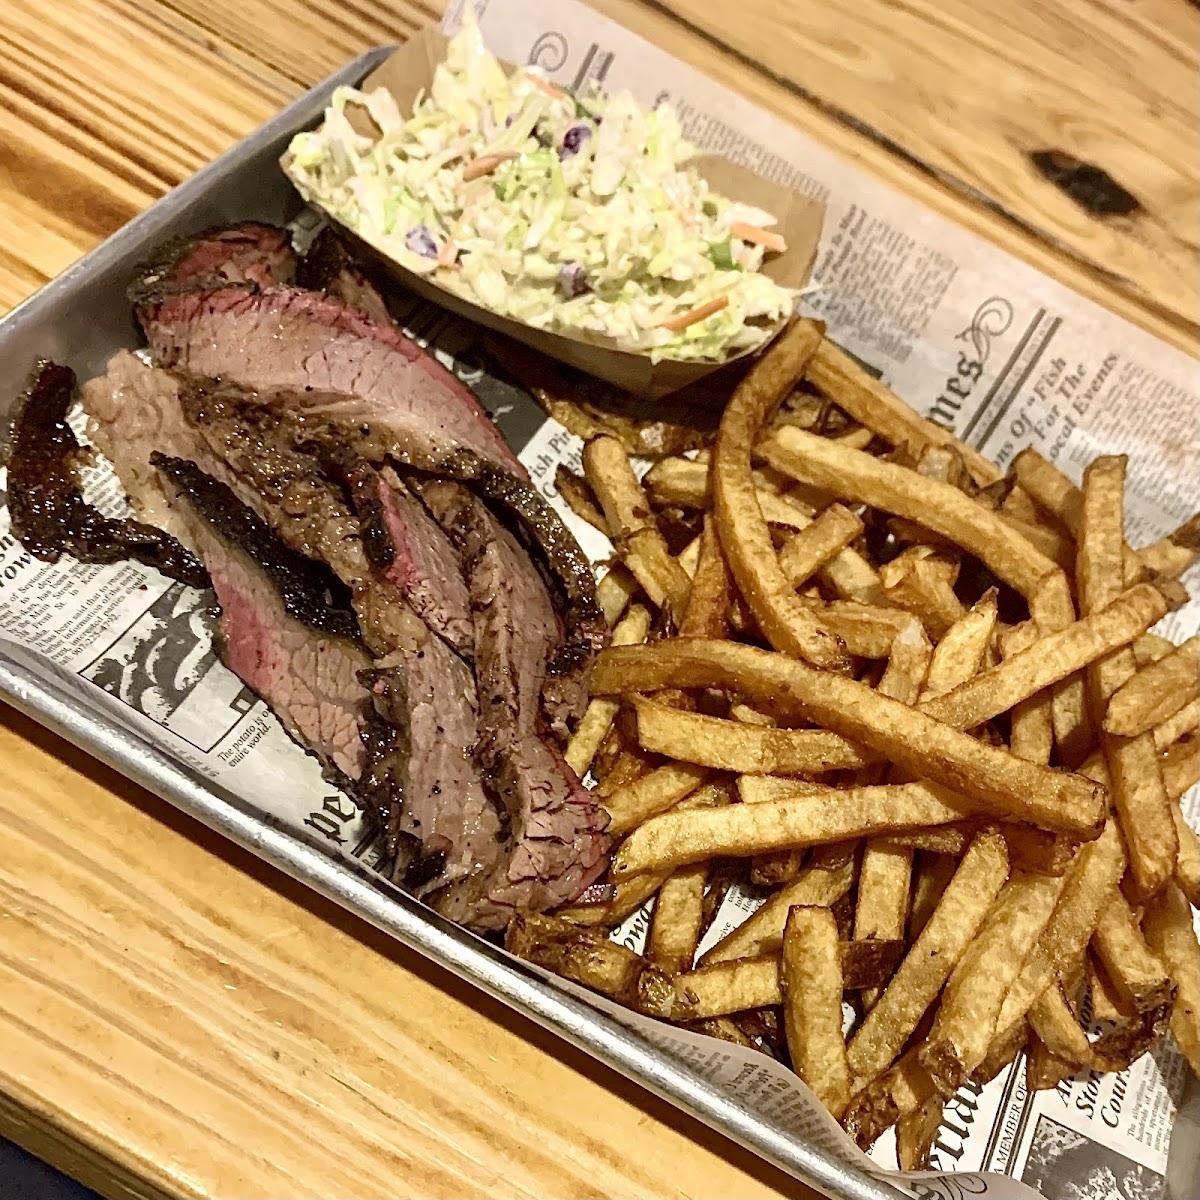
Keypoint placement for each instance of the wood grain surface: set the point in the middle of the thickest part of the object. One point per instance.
(177, 1019)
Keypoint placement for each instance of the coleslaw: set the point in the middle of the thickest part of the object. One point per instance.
(574, 214)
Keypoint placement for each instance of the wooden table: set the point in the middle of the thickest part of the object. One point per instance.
(178, 1020)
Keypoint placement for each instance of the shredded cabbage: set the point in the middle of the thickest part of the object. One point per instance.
(572, 214)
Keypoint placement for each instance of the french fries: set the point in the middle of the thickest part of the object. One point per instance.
(913, 707)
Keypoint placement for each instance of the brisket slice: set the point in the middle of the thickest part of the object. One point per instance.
(250, 253)
(329, 267)
(50, 516)
(558, 844)
(281, 339)
(421, 748)
(285, 626)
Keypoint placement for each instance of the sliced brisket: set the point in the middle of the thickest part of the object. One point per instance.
(50, 516)
(280, 339)
(286, 629)
(250, 253)
(330, 268)
(558, 844)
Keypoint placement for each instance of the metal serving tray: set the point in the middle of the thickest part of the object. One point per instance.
(81, 319)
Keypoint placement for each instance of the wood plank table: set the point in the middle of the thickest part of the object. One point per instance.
(178, 1020)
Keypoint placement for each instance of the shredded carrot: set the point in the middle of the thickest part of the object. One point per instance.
(448, 254)
(485, 164)
(760, 237)
(544, 85)
(683, 320)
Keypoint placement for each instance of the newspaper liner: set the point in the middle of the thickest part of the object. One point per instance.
(409, 72)
(968, 335)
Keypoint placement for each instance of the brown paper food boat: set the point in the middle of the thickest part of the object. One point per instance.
(410, 70)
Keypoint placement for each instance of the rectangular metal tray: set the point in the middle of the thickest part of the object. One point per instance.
(81, 319)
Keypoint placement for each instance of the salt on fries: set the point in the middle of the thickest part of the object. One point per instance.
(918, 702)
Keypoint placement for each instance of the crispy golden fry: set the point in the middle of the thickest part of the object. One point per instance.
(749, 749)
(811, 978)
(1031, 723)
(938, 506)
(628, 896)
(1049, 660)
(615, 591)
(1187, 865)
(1051, 1018)
(922, 583)
(1181, 724)
(579, 497)
(789, 625)
(945, 839)
(1174, 554)
(916, 1132)
(728, 987)
(868, 630)
(598, 717)
(946, 936)
(881, 907)
(966, 1018)
(1091, 882)
(758, 789)
(960, 653)
(1107, 1002)
(900, 1090)
(654, 793)
(1044, 1070)
(878, 408)
(675, 839)
(1180, 766)
(711, 596)
(1004, 1048)
(929, 749)
(822, 882)
(678, 915)
(858, 438)
(908, 665)
(851, 577)
(587, 957)
(1049, 488)
(631, 523)
(1137, 974)
(1151, 695)
(1074, 734)
(806, 552)
(1020, 504)
(1143, 806)
(1171, 935)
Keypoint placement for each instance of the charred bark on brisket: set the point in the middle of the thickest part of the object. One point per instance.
(50, 517)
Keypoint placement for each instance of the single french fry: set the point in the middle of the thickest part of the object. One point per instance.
(1020, 504)
(881, 906)
(678, 915)
(875, 406)
(709, 602)
(579, 497)
(1107, 1002)
(788, 624)
(945, 839)
(1180, 766)
(598, 717)
(1181, 724)
(868, 630)
(1053, 1021)
(908, 665)
(896, 1093)
(926, 748)
(653, 793)
(807, 551)
(1143, 806)
(852, 577)
(1169, 932)
(1138, 975)
(1187, 865)
(1151, 695)
(675, 839)
(811, 978)
(1053, 609)
(970, 1008)
(634, 532)
(938, 506)
(1175, 553)
(615, 591)
(735, 746)
(1048, 660)
(822, 882)
(937, 950)
(960, 653)
(1031, 724)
